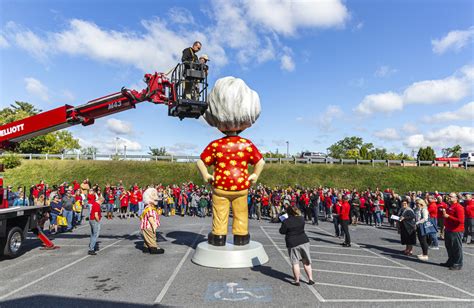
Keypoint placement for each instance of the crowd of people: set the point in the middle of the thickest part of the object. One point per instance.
(426, 216)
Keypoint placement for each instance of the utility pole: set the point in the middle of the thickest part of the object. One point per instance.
(287, 149)
(116, 145)
(125, 151)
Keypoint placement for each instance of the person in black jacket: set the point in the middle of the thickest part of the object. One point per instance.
(297, 243)
(189, 54)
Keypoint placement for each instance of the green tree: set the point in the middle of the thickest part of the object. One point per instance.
(89, 150)
(455, 151)
(426, 154)
(158, 151)
(353, 154)
(340, 148)
(52, 143)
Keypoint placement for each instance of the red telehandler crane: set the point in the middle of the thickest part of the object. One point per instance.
(185, 94)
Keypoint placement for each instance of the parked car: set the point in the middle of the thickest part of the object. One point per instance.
(467, 157)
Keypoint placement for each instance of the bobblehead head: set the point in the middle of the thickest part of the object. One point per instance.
(233, 106)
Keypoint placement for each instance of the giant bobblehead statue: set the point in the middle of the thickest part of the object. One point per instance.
(233, 107)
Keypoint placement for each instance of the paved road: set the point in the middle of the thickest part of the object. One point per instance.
(371, 273)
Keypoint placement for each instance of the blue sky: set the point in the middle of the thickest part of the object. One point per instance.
(397, 73)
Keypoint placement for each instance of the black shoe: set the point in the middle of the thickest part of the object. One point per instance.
(296, 284)
(241, 240)
(91, 252)
(146, 250)
(445, 264)
(346, 245)
(311, 282)
(216, 240)
(157, 251)
(455, 268)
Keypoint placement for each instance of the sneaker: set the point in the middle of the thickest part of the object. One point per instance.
(91, 252)
(296, 283)
(455, 268)
(434, 248)
(422, 257)
(311, 282)
(346, 245)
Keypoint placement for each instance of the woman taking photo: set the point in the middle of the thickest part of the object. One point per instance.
(422, 215)
(407, 228)
(297, 243)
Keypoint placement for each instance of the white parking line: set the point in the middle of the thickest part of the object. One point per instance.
(338, 254)
(61, 269)
(469, 254)
(376, 276)
(420, 273)
(382, 291)
(398, 300)
(312, 289)
(363, 264)
(162, 294)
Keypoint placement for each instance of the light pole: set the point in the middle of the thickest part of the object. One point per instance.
(125, 152)
(287, 149)
(116, 145)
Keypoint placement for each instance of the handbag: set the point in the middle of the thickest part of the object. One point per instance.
(428, 228)
(61, 221)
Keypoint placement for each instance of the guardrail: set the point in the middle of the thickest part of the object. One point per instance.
(293, 160)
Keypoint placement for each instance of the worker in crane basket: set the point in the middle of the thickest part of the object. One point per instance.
(189, 56)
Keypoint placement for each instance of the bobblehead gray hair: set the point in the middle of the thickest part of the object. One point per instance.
(233, 106)
(150, 196)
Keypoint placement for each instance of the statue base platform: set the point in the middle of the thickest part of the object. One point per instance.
(230, 256)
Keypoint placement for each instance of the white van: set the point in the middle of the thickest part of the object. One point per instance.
(468, 156)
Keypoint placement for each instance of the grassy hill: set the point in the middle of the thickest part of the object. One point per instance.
(398, 178)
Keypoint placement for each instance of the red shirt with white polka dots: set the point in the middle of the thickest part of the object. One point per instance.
(230, 157)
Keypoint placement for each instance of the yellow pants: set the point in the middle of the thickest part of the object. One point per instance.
(150, 238)
(221, 202)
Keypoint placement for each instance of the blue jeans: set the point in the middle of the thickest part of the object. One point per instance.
(77, 218)
(141, 206)
(315, 214)
(95, 230)
(68, 215)
(434, 236)
(378, 217)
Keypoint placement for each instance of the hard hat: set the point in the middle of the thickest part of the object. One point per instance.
(205, 57)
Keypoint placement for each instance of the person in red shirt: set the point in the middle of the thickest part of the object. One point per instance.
(124, 199)
(336, 212)
(441, 206)
(433, 212)
(94, 220)
(469, 219)
(233, 107)
(345, 217)
(454, 225)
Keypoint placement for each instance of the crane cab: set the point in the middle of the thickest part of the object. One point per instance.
(190, 87)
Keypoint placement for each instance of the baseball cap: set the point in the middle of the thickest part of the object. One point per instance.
(205, 57)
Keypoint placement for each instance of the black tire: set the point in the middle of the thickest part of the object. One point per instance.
(13, 243)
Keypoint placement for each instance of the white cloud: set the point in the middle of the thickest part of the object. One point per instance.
(285, 17)
(384, 102)
(131, 145)
(387, 134)
(35, 88)
(179, 15)
(450, 89)
(182, 148)
(29, 41)
(466, 112)
(409, 128)
(119, 127)
(447, 90)
(454, 40)
(3, 42)
(327, 117)
(287, 63)
(384, 71)
(444, 137)
(235, 31)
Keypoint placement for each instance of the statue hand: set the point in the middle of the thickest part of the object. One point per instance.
(253, 178)
(209, 178)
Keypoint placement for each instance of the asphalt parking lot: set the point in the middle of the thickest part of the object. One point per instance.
(370, 273)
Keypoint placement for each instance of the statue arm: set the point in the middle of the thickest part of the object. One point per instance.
(204, 173)
(256, 172)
